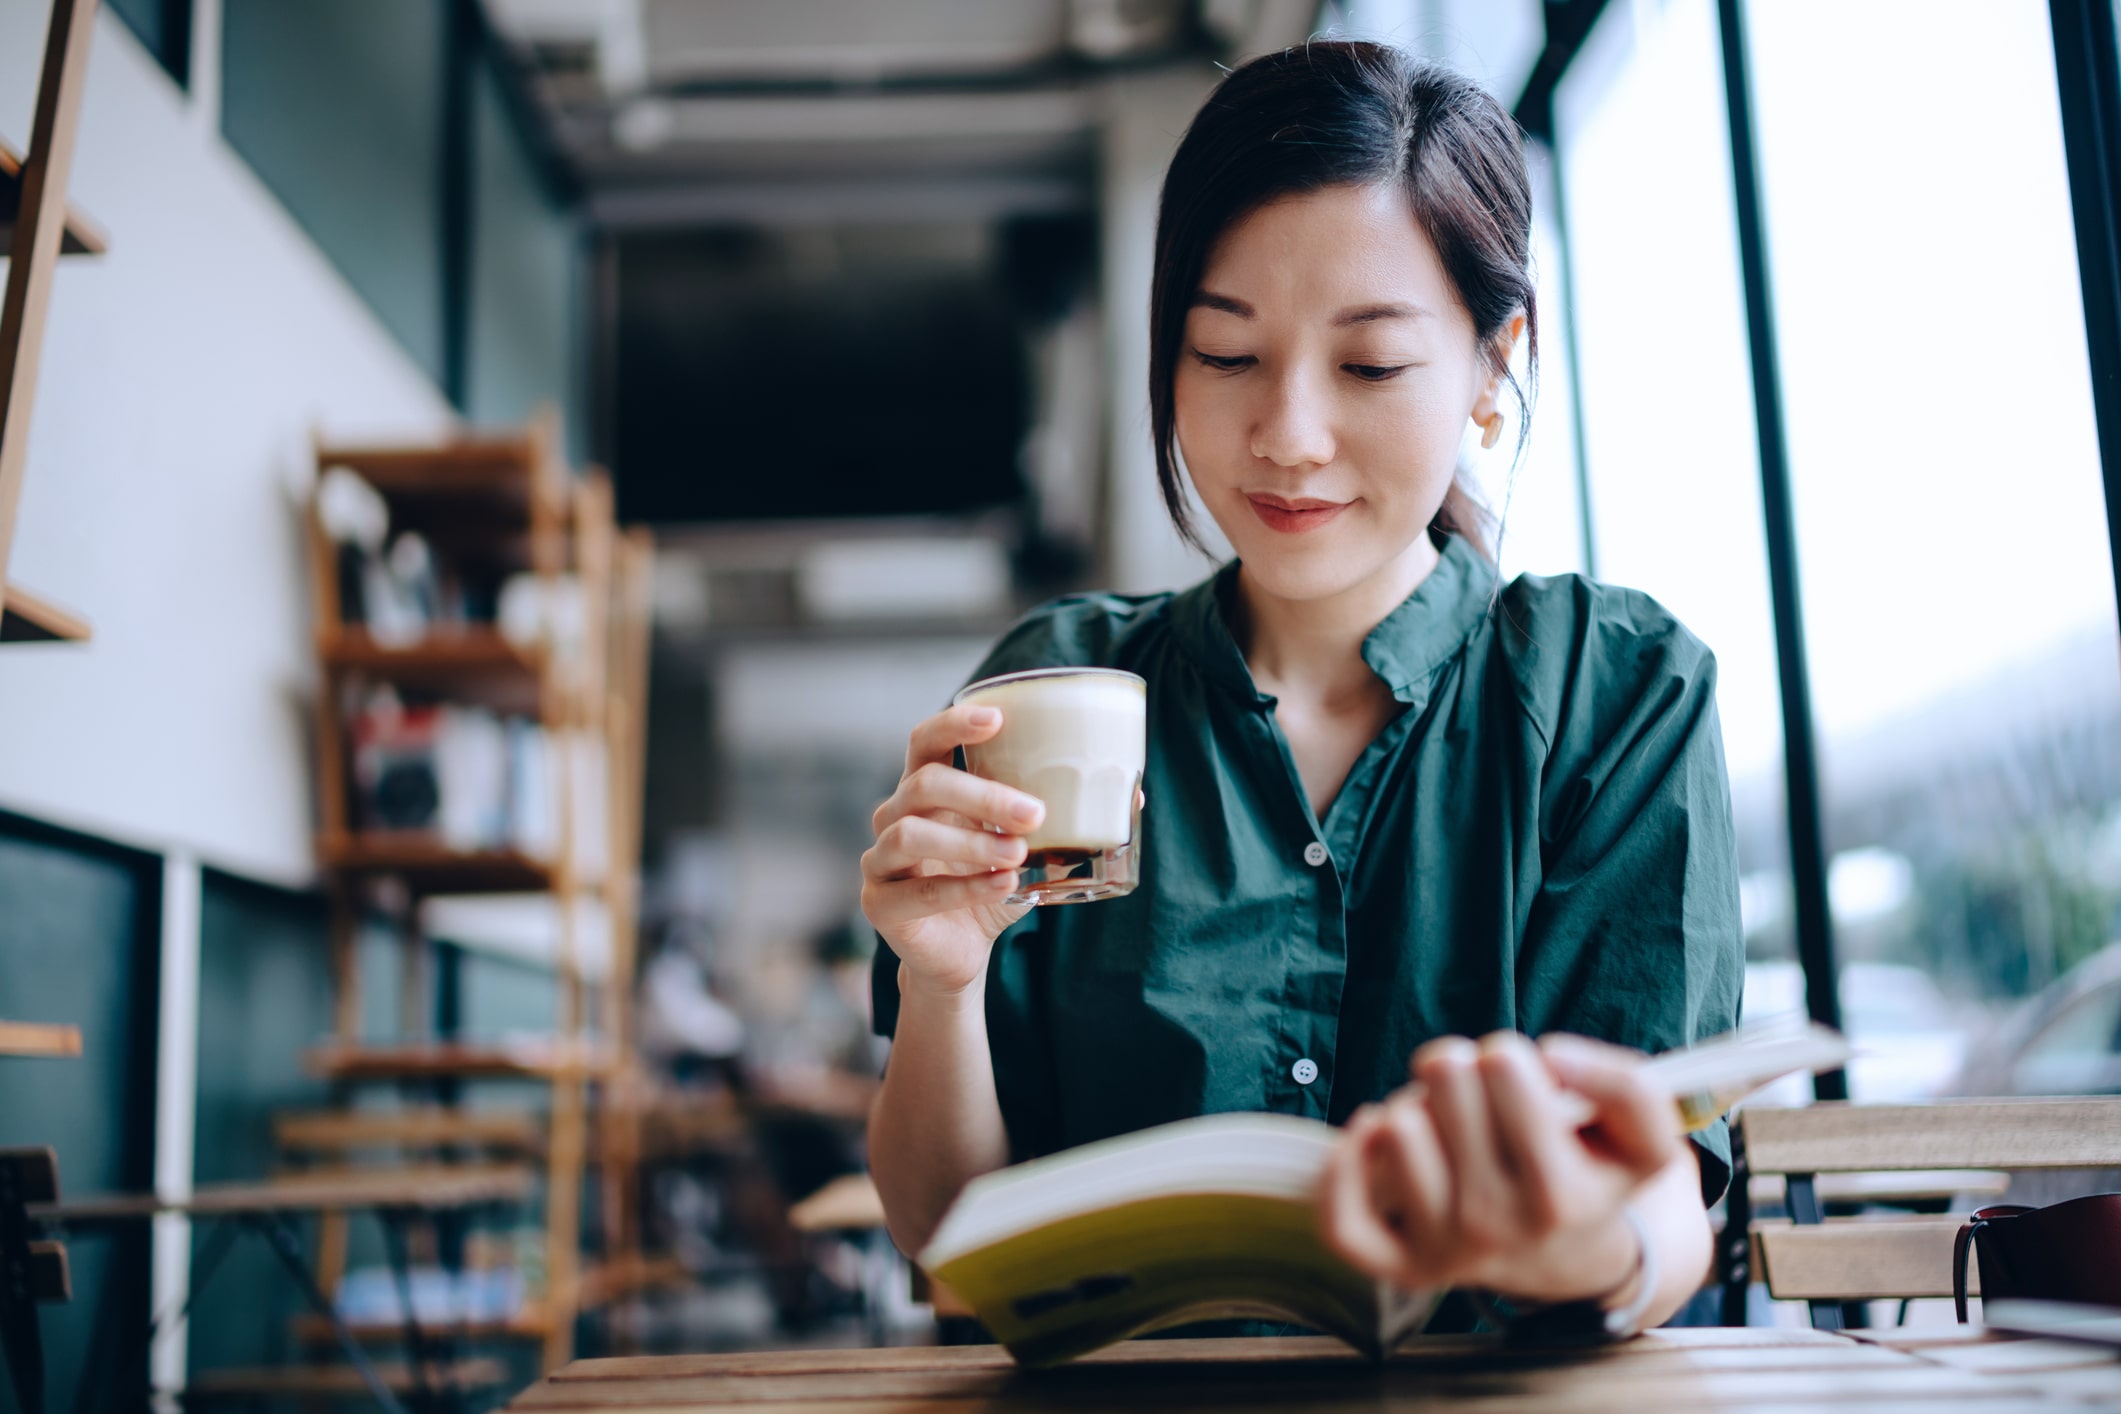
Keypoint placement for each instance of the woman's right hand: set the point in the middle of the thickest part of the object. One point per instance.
(934, 881)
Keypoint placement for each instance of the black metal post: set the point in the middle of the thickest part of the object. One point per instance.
(460, 56)
(1800, 763)
(279, 1234)
(1734, 1255)
(19, 1336)
(417, 1355)
(1571, 347)
(1568, 24)
(2088, 83)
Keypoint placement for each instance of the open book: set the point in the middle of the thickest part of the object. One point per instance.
(1212, 1218)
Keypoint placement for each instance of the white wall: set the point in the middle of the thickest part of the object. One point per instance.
(182, 374)
(1145, 115)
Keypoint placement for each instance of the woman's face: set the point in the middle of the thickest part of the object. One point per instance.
(1325, 381)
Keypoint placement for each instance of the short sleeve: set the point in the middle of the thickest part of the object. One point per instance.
(883, 990)
(1079, 630)
(1634, 934)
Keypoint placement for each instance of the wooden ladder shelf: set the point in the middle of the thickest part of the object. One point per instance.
(38, 227)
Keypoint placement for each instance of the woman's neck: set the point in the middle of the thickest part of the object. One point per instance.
(1318, 642)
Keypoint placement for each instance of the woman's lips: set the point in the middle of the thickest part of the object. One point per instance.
(1294, 517)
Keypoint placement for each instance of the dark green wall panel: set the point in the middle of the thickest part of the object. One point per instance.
(525, 278)
(78, 932)
(338, 106)
(164, 27)
(264, 998)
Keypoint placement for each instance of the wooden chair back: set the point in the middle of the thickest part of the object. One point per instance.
(1827, 1261)
(30, 1176)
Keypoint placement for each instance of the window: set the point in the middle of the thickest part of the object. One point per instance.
(1670, 448)
(1536, 494)
(1959, 595)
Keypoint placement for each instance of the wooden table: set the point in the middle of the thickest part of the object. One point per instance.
(400, 1196)
(417, 1188)
(1675, 1370)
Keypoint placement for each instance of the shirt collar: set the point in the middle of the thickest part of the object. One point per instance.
(1404, 650)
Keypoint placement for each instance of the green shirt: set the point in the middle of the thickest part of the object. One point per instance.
(1541, 840)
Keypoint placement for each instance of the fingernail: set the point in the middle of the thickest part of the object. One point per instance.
(985, 716)
(1029, 811)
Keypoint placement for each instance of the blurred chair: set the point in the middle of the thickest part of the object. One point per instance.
(1901, 1155)
(849, 1208)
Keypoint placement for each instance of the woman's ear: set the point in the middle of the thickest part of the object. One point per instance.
(1504, 344)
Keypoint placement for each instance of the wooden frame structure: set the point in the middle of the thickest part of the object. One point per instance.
(36, 228)
(505, 501)
(36, 223)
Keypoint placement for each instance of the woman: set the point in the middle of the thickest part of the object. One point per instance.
(1389, 806)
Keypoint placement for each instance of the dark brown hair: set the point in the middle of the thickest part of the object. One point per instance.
(1347, 113)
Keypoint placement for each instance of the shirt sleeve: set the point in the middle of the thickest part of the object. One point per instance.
(1079, 630)
(1051, 635)
(1633, 934)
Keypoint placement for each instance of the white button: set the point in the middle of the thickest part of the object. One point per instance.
(1314, 854)
(1305, 1071)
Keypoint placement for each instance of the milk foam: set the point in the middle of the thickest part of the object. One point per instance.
(1077, 742)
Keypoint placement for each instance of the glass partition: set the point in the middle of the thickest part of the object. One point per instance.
(1667, 398)
(1535, 490)
(1958, 588)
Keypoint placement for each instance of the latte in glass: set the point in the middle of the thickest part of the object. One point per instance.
(1077, 739)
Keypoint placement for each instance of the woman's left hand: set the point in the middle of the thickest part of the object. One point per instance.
(1504, 1166)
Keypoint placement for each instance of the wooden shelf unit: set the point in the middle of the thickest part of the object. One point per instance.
(501, 503)
(417, 1127)
(37, 228)
(559, 1060)
(469, 663)
(431, 867)
(536, 1321)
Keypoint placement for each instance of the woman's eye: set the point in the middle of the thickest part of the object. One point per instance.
(1376, 373)
(1229, 364)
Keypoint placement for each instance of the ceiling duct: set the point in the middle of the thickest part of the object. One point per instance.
(743, 42)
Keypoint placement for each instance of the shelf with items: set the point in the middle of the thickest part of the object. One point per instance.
(471, 662)
(429, 865)
(547, 1058)
(473, 722)
(536, 1321)
(338, 1132)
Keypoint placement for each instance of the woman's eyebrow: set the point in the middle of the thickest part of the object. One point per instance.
(1372, 313)
(1228, 304)
(1347, 318)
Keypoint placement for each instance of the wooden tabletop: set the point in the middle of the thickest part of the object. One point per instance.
(431, 1188)
(1689, 1370)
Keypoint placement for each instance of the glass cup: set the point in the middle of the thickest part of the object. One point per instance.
(1077, 739)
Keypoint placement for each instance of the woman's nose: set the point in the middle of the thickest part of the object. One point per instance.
(1293, 429)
